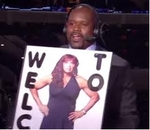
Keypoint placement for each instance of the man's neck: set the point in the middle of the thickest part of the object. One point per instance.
(91, 47)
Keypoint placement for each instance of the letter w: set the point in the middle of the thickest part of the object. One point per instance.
(36, 59)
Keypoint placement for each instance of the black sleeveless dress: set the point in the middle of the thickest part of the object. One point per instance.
(62, 101)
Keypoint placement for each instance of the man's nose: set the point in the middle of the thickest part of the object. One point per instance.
(77, 27)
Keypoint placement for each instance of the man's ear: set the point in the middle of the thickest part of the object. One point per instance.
(65, 28)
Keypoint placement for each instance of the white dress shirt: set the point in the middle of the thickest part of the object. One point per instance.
(91, 47)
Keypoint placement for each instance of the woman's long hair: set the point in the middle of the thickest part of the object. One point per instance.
(58, 71)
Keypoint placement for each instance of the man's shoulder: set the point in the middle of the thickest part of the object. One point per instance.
(64, 46)
(116, 59)
(119, 61)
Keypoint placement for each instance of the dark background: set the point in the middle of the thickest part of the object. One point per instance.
(123, 5)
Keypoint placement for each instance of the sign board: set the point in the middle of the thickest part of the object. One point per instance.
(93, 67)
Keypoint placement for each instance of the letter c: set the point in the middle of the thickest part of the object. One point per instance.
(19, 124)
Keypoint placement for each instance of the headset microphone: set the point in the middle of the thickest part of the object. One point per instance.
(89, 38)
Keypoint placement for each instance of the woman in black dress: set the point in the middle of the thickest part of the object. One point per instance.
(64, 87)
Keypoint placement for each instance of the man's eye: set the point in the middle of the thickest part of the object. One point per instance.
(70, 23)
(84, 24)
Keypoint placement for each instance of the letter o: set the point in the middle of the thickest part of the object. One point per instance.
(99, 86)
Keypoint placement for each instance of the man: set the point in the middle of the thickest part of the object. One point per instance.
(82, 28)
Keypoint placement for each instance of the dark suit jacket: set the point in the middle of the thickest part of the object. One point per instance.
(120, 108)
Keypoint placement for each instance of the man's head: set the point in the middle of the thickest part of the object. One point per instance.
(80, 25)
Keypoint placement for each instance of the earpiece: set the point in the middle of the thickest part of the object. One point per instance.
(98, 29)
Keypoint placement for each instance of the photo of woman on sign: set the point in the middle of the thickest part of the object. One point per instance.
(64, 87)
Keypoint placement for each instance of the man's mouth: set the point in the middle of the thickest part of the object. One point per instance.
(76, 37)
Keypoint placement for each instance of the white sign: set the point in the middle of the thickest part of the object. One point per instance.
(93, 68)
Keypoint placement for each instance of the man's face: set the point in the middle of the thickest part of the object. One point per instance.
(80, 25)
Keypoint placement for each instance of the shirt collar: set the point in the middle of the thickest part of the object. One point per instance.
(91, 47)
